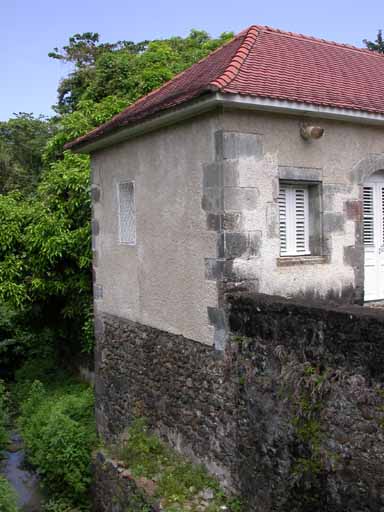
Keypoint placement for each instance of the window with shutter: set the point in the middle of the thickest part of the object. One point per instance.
(368, 226)
(293, 216)
(127, 213)
(382, 216)
(283, 221)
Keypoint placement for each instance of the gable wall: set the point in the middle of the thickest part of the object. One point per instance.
(161, 281)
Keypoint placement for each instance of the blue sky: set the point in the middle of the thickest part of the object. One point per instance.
(29, 29)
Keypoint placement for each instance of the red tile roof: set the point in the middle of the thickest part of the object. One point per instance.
(268, 63)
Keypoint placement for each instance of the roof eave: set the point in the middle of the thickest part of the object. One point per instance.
(215, 99)
(303, 109)
(162, 119)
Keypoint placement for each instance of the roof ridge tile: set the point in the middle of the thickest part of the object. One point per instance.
(178, 75)
(237, 60)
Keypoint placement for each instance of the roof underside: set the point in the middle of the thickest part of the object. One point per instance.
(267, 63)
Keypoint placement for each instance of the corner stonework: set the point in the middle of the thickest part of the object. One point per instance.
(230, 193)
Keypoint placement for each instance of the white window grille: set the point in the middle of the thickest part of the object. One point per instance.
(127, 212)
(294, 220)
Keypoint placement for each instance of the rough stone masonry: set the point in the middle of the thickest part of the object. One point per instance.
(290, 415)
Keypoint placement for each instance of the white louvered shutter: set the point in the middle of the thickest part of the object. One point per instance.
(301, 220)
(368, 226)
(382, 215)
(127, 213)
(283, 221)
(293, 212)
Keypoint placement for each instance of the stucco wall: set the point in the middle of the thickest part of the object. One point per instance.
(339, 161)
(160, 281)
(208, 220)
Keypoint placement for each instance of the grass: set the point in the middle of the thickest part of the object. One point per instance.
(179, 484)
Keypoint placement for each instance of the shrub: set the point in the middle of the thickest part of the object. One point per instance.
(42, 368)
(57, 425)
(58, 505)
(7, 497)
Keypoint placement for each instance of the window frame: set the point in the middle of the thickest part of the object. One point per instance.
(132, 242)
(291, 232)
(314, 218)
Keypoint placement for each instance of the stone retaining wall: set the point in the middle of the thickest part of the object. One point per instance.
(291, 414)
(351, 337)
(114, 490)
(183, 388)
(311, 436)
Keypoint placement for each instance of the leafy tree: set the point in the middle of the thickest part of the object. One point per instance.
(22, 140)
(45, 249)
(45, 255)
(83, 49)
(135, 74)
(83, 52)
(377, 45)
(126, 69)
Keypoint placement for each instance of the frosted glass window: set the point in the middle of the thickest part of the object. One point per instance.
(127, 213)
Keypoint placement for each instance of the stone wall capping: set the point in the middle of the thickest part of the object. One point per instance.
(320, 307)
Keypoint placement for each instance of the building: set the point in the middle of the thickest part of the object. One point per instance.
(258, 169)
(207, 183)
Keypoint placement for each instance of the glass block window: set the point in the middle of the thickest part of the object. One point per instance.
(127, 213)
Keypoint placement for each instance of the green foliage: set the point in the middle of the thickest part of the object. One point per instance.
(7, 497)
(58, 505)
(88, 115)
(12, 339)
(83, 51)
(57, 425)
(178, 481)
(135, 74)
(126, 69)
(308, 387)
(144, 452)
(241, 341)
(22, 140)
(377, 45)
(43, 368)
(45, 254)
